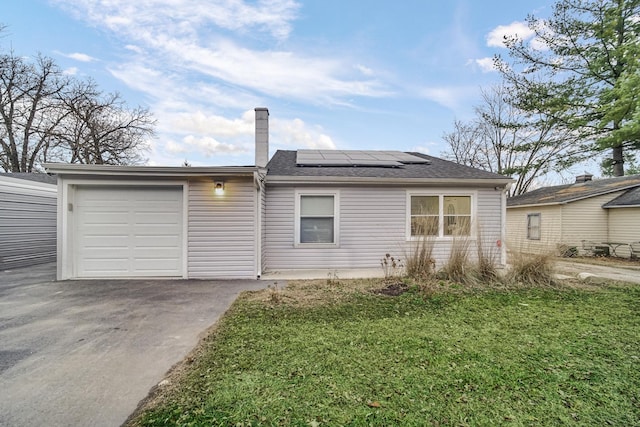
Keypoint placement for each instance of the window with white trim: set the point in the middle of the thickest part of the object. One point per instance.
(533, 226)
(441, 215)
(316, 218)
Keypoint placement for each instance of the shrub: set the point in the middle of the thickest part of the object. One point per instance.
(458, 268)
(532, 269)
(392, 267)
(486, 265)
(420, 264)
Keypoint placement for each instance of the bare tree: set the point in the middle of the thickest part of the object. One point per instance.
(49, 116)
(505, 140)
(28, 110)
(99, 129)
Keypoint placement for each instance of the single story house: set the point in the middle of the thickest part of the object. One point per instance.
(305, 209)
(27, 219)
(562, 216)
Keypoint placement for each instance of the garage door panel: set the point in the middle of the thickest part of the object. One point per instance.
(168, 254)
(156, 267)
(149, 219)
(148, 242)
(117, 267)
(129, 232)
(101, 218)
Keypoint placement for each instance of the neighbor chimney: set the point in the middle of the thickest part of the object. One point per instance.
(262, 137)
(584, 178)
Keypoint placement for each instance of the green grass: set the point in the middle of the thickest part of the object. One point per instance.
(518, 357)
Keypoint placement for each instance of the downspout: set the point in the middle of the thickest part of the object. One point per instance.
(258, 178)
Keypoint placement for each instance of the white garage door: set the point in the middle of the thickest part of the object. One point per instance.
(128, 231)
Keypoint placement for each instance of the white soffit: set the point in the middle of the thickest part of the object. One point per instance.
(356, 158)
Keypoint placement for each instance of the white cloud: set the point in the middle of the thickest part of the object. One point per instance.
(420, 149)
(82, 57)
(364, 70)
(450, 97)
(295, 133)
(216, 125)
(185, 36)
(187, 17)
(495, 38)
(197, 64)
(486, 64)
(71, 71)
(209, 146)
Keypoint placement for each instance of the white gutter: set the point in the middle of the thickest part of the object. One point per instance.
(28, 185)
(285, 179)
(156, 171)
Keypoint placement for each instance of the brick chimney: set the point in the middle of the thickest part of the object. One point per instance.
(262, 137)
(580, 179)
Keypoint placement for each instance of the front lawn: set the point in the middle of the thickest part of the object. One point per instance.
(327, 355)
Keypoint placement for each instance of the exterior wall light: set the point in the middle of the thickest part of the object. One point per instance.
(219, 188)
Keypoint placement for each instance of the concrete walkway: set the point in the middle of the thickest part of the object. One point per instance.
(629, 273)
(84, 353)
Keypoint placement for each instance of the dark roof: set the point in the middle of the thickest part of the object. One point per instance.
(630, 198)
(37, 177)
(283, 163)
(576, 191)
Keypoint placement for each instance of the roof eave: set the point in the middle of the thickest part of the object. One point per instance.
(286, 179)
(576, 199)
(635, 205)
(533, 205)
(149, 171)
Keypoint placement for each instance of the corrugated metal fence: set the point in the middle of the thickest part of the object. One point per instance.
(27, 223)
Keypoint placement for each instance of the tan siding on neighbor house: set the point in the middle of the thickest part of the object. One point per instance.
(551, 229)
(222, 235)
(624, 227)
(372, 222)
(586, 220)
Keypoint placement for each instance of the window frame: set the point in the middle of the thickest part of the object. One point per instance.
(336, 217)
(441, 194)
(529, 227)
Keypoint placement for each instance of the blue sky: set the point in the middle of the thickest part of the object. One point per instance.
(334, 74)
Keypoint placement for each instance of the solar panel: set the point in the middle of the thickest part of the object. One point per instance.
(356, 158)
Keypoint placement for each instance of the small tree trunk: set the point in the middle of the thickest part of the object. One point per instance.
(618, 161)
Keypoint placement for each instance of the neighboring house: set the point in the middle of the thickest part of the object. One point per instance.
(27, 219)
(550, 218)
(310, 209)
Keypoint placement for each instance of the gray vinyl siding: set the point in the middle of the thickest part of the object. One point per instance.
(222, 234)
(372, 223)
(27, 223)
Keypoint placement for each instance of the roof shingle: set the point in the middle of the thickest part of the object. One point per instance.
(628, 199)
(283, 163)
(570, 192)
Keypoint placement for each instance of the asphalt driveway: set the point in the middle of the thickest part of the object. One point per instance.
(80, 353)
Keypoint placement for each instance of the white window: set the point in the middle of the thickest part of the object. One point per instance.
(317, 219)
(533, 226)
(441, 215)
